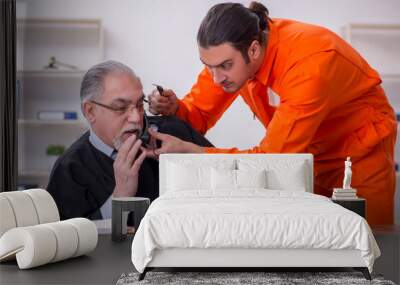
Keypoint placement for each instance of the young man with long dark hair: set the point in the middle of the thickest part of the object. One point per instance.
(331, 101)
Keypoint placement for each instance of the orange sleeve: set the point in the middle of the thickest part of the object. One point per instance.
(305, 102)
(204, 104)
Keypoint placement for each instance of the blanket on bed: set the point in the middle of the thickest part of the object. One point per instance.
(252, 218)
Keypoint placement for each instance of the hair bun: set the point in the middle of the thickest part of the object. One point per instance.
(262, 13)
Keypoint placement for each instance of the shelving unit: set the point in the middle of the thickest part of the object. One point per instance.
(379, 44)
(44, 87)
(39, 123)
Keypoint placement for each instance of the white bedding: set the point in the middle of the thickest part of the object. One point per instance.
(252, 218)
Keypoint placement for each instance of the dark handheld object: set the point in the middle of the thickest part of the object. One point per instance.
(160, 89)
(144, 134)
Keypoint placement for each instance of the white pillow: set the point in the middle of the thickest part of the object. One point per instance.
(223, 179)
(237, 179)
(251, 178)
(189, 175)
(183, 178)
(281, 175)
(293, 180)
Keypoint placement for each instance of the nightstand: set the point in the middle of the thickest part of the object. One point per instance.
(356, 205)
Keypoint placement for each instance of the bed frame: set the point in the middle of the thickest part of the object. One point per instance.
(242, 259)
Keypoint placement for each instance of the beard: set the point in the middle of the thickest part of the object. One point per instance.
(125, 133)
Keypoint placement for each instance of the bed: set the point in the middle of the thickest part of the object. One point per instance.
(247, 211)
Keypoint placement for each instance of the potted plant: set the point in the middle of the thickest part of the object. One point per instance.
(53, 152)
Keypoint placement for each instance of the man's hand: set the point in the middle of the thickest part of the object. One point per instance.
(127, 166)
(171, 144)
(165, 104)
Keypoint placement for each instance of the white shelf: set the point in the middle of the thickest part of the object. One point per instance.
(78, 42)
(379, 44)
(357, 29)
(78, 123)
(362, 27)
(390, 76)
(34, 173)
(51, 73)
(60, 23)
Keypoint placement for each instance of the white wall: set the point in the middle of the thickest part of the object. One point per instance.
(157, 39)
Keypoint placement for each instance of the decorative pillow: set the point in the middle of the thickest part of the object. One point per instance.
(288, 178)
(184, 175)
(281, 175)
(251, 178)
(237, 179)
(182, 178)
(223, 179)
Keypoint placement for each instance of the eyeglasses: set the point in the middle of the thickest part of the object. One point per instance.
(125, 108)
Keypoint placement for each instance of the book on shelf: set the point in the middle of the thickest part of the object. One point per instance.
(344, 194)
(341, 190)
(57, 115)
(334, 197)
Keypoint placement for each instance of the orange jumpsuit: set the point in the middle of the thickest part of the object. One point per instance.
(331, 105)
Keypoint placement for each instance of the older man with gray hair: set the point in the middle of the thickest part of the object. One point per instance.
(110, 159)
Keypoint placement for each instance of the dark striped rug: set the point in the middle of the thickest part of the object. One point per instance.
(231, 278)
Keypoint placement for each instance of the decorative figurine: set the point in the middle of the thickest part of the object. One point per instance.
(347, 174)
(346, 192)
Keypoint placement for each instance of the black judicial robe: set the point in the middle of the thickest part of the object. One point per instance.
(82, 179)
